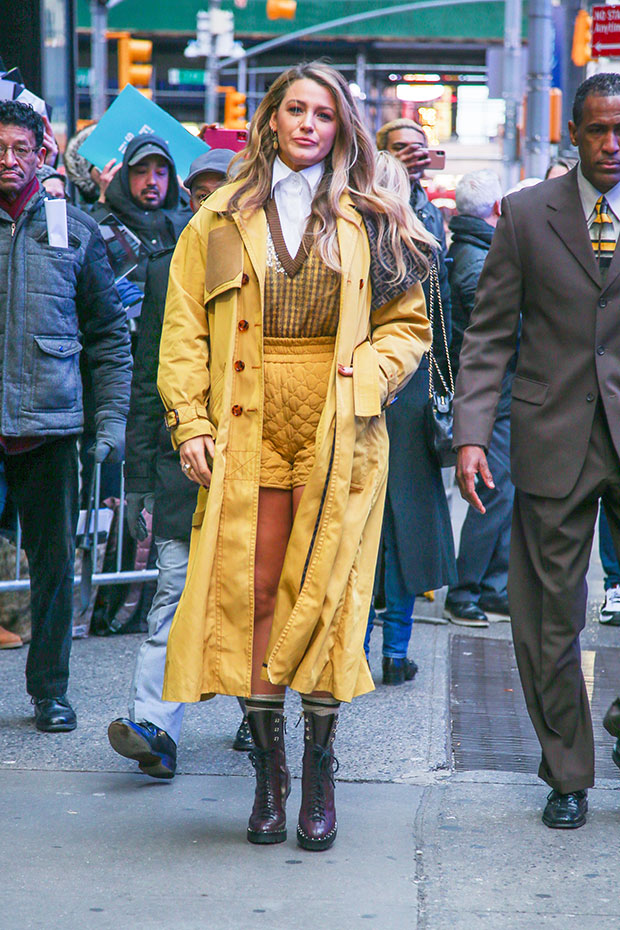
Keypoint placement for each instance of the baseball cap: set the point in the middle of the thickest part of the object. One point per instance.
(149, 148)
(216, 160)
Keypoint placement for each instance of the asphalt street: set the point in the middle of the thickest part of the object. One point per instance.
(89, 843)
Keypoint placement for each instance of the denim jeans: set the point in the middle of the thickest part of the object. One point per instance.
(607, 550)
(44, 486)
(145, 702)
(398, 615)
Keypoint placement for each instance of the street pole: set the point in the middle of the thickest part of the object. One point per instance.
(572, 76)
(98, 58)
(512, 90)
(539, 84)
(212, 67)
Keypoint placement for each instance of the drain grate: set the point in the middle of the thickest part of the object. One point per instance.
(491, 729)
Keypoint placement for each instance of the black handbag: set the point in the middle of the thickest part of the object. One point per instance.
(438, 414)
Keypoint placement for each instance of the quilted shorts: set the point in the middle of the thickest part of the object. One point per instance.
(296, 378)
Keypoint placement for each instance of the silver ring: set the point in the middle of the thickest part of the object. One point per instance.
(186, 467)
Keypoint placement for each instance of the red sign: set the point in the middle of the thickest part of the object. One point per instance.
(606, 32)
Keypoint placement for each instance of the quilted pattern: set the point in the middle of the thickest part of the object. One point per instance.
(296, 379)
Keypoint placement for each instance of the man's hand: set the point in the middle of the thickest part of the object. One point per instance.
(49, 143)
(110, 442)
(471, 461)
(106, 176)
(135, 504)
(194, 453)
(415, 158)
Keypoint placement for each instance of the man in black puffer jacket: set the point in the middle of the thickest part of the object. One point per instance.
(155, 482)
(482, 562)
(144, 195)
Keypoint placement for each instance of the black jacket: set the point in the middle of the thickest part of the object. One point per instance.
(432, 220)
(471, 241)
(151, 464)
(156, 229)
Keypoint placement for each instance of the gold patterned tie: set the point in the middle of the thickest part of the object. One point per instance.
(602, 235)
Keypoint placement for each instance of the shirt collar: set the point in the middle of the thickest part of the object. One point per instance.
(589, 195)
(311, 175)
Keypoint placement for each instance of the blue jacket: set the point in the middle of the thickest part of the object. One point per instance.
(54, 302)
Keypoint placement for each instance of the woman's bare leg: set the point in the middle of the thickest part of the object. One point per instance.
(275, 520)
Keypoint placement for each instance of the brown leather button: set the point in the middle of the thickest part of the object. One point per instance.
(243, 325)
(239, 365)
(237, 410)
(245, 278)
(361, 283)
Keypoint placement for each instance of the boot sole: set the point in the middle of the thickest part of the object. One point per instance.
(266, 839)
(313, 845)
(126, 742)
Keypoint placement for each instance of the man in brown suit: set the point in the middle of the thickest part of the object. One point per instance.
(552, 268)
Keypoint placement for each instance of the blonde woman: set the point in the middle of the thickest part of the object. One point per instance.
(276, 363)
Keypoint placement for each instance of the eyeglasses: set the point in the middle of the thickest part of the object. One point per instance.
(19, 151)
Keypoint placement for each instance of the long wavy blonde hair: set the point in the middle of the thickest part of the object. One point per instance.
(349, 168)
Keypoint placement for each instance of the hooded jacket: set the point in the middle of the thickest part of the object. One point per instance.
(156, 229)
(471, 241)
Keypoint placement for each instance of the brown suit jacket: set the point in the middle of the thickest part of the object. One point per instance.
(541, 270)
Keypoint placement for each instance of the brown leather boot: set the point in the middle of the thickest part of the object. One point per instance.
(9, 640)
(317, 826)
(267, 822)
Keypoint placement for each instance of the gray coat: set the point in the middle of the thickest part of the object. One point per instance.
(54, 302)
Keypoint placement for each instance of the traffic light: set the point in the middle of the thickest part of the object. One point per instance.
(134, 64)
(581, 52)
(235, 110)
(281, 9)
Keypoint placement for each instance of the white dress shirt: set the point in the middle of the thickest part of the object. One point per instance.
(589, 195)
(294, 192)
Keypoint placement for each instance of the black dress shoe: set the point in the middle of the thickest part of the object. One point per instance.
(466, 614)
(152, 748)
(243, 740)
(565, 811)
(54, 715)
(396, 671)
(611, 720)
(495, 604)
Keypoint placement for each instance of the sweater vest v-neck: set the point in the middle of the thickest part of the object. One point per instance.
(302, 295)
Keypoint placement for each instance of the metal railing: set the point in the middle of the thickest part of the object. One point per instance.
(17, 583)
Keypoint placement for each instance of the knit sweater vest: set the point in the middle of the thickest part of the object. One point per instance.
(302, 295)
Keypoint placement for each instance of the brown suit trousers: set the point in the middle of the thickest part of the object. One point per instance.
(541, 275)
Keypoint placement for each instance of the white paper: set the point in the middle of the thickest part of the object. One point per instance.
(56, 218)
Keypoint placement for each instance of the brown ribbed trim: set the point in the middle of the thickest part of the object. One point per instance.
(290, 265)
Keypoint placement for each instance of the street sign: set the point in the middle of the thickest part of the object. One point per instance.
(606, 32)
(186, 76)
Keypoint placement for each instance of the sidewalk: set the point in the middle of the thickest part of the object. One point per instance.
(87, 843)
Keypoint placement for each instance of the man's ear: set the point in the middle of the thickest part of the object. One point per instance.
(572, 131)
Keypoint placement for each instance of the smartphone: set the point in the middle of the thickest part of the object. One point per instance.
(437, 160)
(219, 138)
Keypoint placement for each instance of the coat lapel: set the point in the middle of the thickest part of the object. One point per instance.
(566, 218)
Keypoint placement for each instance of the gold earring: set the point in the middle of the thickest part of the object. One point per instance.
(274, 140)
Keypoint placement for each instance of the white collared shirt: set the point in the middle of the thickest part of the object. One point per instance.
(589, 195)
(294, 192)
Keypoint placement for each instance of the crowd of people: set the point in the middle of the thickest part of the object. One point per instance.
(266, 371)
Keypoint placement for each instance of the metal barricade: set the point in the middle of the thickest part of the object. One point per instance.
(17, 583)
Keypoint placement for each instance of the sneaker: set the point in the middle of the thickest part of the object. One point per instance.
(152, 748)
(466, 614)
(609, 613)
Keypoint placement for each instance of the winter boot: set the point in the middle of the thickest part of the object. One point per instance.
(267, 822)
(317, 824)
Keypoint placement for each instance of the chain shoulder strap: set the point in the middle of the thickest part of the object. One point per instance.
(435, 294)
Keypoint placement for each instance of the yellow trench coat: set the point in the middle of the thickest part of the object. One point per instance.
(326, 584)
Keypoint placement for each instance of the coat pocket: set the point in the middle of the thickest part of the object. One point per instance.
(224, 264)
(55, 373)
(532, 392)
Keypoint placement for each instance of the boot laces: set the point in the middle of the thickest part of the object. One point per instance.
(326, 766)
(260, 759)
